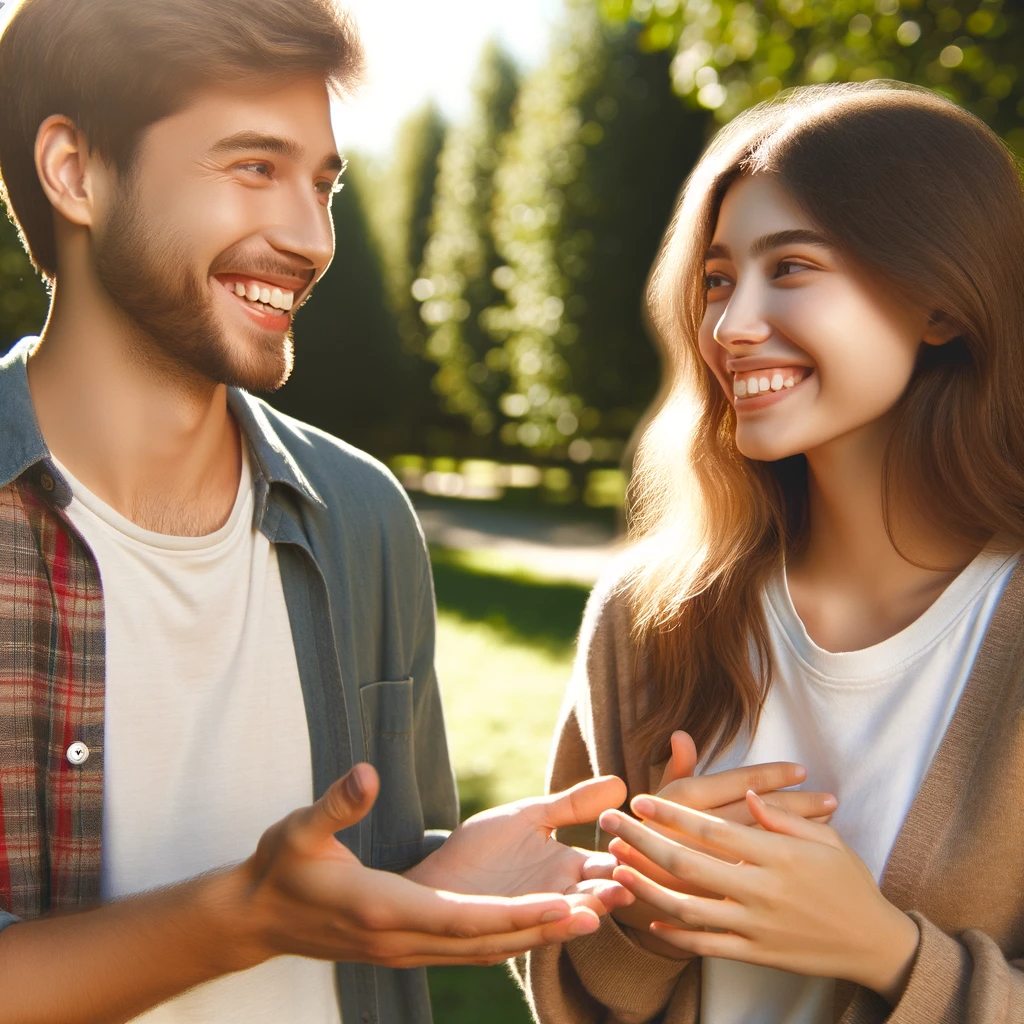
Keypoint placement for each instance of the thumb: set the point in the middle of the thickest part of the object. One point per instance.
(346, 801)
(582, 803)
(683, 759)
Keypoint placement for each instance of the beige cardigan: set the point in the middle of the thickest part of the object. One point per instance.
(957, 867)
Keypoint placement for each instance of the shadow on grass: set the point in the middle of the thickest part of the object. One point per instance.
(530, 610)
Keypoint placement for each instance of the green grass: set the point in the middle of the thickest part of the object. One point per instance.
(504, 654)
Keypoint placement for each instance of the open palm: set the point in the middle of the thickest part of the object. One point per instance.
(510, 851)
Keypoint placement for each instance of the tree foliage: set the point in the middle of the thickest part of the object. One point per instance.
(456, 279)
(400, 201)
(731, 53)
(599, 148)
(23, 298)
(352, 375)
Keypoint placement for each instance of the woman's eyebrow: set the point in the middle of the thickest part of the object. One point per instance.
(792, 236)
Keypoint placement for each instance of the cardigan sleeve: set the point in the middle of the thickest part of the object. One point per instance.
(964, 980)
(604, 977)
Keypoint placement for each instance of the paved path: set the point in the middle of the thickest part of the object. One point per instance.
(554, 547)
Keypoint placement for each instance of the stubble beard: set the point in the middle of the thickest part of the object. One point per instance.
(153, 282)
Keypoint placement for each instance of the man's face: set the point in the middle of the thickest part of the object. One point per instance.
(221, 229)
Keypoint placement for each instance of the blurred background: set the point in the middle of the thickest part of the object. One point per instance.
(513, 166)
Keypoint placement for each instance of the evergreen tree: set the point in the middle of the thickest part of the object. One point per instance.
(400, 202)
(23, 297)
(732, 53)
(455, 283)
(352, 377)
(598, 152)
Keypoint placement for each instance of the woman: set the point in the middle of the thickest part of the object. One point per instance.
(828, 508)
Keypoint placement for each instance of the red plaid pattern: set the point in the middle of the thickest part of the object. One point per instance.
(52, 677)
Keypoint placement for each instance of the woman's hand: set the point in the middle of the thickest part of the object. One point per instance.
(723, 795)
(796, 897)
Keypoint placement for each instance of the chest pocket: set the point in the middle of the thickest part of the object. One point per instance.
(397, 821)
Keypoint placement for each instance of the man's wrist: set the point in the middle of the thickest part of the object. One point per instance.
(234, 936)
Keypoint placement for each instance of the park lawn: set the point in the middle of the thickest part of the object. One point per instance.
(505, 647)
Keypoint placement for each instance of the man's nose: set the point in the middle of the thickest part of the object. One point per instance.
(743, 320)
(304, 228)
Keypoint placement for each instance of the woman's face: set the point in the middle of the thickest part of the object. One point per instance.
(807, 349)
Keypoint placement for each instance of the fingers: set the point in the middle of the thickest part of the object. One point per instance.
(345, 802)
(596, 865)
(721, 788)
(811, 805)
(683, 760)
(692, 911)
(693, 868)
(633, 858)
(583, 802)
(784, 822)
(600, 894)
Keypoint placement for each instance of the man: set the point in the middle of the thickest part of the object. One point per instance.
(210, 614)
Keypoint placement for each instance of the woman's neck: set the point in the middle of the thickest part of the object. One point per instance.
(850, 585)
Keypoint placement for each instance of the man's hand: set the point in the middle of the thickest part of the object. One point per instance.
(305, 893)
(509, 850)
(722, 794)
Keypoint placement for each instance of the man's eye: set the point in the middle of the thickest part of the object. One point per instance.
(257, 167)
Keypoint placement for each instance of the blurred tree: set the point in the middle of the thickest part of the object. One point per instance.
(23, 297)
(729, 54)
(455, 283)
(599, 149)
(399, 201)
(352, 377)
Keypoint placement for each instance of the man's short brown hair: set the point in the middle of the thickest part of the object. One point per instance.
(114, 67)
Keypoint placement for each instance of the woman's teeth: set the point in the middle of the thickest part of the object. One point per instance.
(269, 298)
(746, 385)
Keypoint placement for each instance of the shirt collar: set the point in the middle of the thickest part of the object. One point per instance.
(23, 446)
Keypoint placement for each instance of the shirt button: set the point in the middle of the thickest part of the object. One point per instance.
(77, 753)
(46, 482)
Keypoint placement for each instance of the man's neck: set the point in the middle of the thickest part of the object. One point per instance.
(156, 445)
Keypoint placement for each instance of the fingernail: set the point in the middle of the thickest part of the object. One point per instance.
(354, 787)
(800, 772)
(583, 924)
(831, 802)
(750, 792)
(643, 806)
(554, 915)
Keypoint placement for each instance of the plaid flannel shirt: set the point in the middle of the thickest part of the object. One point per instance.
(359, 594)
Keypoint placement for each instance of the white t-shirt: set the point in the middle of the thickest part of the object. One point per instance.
(866, 725)
(205, 738)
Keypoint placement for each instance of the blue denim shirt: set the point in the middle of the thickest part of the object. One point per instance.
(360, 600)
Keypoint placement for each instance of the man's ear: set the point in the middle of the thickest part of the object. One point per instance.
(939, 330)
(66, 170)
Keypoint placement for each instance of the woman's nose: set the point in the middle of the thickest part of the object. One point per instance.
(742, 321)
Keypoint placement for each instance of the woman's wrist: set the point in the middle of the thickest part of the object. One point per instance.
(892, 956)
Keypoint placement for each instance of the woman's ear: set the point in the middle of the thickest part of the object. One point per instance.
(939, 330)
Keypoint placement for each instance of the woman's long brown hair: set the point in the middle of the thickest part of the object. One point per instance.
(926, 200)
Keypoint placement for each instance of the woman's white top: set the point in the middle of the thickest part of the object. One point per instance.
(866, 725)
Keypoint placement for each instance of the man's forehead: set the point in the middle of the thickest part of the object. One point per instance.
(294, 119)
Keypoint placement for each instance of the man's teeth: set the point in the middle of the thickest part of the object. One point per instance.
(268, 296)
(747, 385)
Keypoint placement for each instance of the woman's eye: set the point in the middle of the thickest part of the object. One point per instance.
(712, 281)
(785, 268)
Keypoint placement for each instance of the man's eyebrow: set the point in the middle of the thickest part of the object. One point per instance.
(792, 236)
(249, 140)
